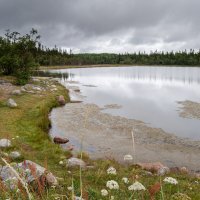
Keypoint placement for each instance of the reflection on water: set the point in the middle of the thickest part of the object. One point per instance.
(146, 93)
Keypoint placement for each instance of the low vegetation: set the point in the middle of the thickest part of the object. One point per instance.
(27, 127)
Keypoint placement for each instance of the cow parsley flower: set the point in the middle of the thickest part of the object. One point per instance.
(61, 162)
(137, 186)
(125, 180)
(112, 185)
(104, 192)
(70, 188)
(111, 170)
(171, 180)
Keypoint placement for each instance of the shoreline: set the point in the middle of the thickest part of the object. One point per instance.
(105, 65)
(173, 150)
(27, 127)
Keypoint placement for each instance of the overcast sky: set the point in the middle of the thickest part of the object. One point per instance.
(107, 25)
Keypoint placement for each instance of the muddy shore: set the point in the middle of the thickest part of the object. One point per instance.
(107, 136)
(189, 109)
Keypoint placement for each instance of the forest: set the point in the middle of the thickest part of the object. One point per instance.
(21, 54)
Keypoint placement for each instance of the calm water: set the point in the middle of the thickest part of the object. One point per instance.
(145, 93)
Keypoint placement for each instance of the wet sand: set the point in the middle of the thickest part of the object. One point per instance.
(107, 136)
(189, 109)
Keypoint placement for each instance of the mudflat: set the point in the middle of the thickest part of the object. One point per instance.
(106, 136)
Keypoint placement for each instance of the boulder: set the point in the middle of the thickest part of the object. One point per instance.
(73, 162)
(163, 171)
(11, 103)
(184, 170)
(16, 92)
(31, 172)
(58, 140)
(38, 172)
(61, 100)
(15, 155)
(152, 167)
(5, 143)
(179, 170)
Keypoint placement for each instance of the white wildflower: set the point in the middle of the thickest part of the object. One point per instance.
(17, 136)
(70, 188)
(78, 198)
(28, 171)
(112, 198)
(171, 180)
(61, 162)
(111, 170)
(128, 157)
(137, 186)
(125, 180)
(104, 192)
(112, 185)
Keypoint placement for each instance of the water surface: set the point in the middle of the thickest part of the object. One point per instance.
(149, 94)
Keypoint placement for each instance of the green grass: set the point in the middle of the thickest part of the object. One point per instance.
(30, 122)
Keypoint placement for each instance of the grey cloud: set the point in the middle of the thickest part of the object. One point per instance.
(106, 25)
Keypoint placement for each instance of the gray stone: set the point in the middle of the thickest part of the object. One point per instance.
(5, 143)
(36, 88)
(163, 171)
(16, 92)
(15, 155)
(11, 103)
(147, 173)
(72, 162)
(24, 168)
(39, 171)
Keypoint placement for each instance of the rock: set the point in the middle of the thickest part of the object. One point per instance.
(8, 177)
(16, 92)
(178, 170)
(38, 172)
(5, 143)
(147, 173)
(58, 140)
(72, 162)
(163, 171)
(184, 170)
(31, 171)
(15, 155)
(152, 167)
(54, 89)
(11, 103)
(51, 179)
(61, 100)
(36, 88)
(175, 170)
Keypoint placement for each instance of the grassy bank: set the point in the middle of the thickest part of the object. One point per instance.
(27, 126)
(81, 66)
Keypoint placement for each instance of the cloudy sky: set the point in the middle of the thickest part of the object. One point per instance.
(107, 25)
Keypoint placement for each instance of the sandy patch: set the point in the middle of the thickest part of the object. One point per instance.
(189, 109)
(104, 135)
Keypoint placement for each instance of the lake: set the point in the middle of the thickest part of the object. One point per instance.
(145, 93)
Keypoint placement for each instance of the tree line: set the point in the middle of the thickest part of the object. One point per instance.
(21, 54)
